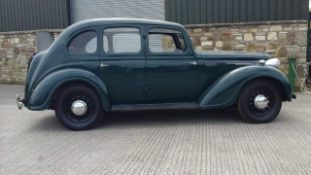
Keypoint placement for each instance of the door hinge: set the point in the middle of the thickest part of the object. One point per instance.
(146, 88)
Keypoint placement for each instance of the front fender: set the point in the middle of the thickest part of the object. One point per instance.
(40, 97)
(225, 91)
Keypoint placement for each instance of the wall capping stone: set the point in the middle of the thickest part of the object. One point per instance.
(31, 31)
(188, 25)
(247, 23)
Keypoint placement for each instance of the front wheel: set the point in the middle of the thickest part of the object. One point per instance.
(78, 108)
(260, 101)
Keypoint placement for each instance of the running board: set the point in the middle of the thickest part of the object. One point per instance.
(164, 106)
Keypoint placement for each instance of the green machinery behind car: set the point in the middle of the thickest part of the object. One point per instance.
(102, 64)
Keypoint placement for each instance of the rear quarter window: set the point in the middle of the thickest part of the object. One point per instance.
(83, 43)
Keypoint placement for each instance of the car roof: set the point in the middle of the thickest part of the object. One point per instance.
(76, 27)
(103, 21)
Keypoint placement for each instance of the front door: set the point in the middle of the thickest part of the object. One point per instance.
(122, 64)
(172, 74)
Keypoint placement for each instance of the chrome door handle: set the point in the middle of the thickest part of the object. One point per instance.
(193, 63)
(104, 65)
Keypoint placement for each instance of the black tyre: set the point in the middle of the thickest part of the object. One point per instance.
(260, 101)
(78, 108)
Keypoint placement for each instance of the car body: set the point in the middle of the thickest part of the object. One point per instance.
(136, 63)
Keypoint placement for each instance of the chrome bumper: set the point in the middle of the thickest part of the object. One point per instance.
(19, 102)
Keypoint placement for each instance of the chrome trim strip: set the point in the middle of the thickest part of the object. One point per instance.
(139, 107)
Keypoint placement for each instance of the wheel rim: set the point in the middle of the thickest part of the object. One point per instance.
(78, 108)
(261, 102)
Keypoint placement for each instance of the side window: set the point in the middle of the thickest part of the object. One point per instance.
(166, 41)
(122, 40)
(84, 43)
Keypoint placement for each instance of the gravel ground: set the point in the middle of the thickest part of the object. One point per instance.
(155, 142)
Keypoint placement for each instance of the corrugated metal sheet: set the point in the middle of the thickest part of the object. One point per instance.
(18, 15)
(87, 9)
(228, 11)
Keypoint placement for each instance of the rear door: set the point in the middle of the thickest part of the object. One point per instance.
(122, 64)
(172, 74)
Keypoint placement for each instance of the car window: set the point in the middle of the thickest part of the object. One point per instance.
(84, 43)
(122, 40)
(166, 41)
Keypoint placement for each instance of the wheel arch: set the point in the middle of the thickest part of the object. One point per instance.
(42, 94)
(75, 82)
(225, 91)
(284, 94)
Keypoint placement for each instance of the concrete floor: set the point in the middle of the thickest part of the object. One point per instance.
(155, 142)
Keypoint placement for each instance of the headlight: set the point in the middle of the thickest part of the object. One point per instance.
(274, 62)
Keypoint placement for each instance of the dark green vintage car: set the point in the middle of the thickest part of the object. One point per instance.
(100, 65)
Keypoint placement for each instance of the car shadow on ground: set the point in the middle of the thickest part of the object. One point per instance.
(147, 118)
(47, 123)
(170, 116)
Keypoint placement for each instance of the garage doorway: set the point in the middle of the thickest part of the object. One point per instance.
(88, 9)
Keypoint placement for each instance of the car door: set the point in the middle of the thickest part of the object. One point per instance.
(172, 75)
(122, 64)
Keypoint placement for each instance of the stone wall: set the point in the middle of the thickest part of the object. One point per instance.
(15, 50)
(280, 39)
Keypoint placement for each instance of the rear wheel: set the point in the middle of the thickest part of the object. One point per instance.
(78, 108)
(260, 101)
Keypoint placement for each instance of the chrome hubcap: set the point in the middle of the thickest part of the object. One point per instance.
(261, 102)
(79, 107)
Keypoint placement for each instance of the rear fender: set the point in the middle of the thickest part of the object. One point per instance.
(226, 90)
(41, 96)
